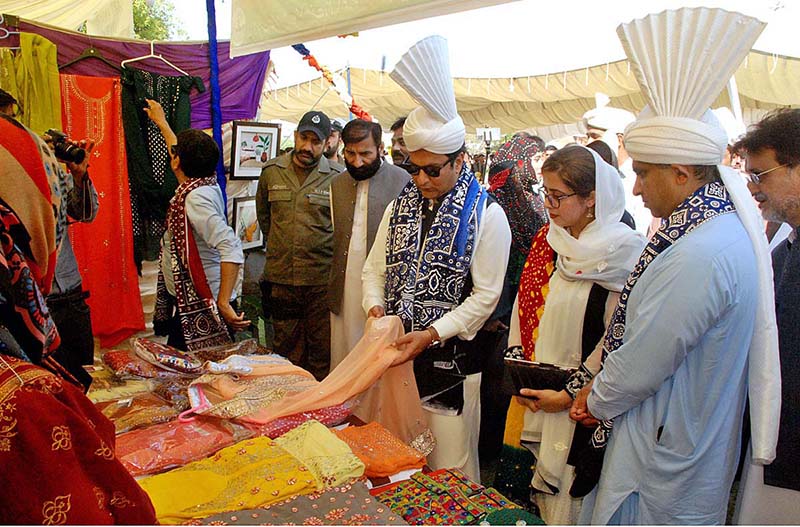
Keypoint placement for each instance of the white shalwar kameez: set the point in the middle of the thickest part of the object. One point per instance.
(676, 388)
(347, 327)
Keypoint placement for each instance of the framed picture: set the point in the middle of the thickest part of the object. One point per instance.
(253, 145)
(245, 223)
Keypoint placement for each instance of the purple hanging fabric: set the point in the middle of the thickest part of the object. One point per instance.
(242, 77)
(216, 116)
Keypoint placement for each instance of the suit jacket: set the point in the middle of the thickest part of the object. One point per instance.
(384, 187)
(786, 266)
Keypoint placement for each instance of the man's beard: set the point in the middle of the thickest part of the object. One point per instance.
(331, 152)
(304, 160)
(364, 171)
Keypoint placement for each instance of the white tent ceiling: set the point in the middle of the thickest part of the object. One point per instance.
(536, 103)
(108, 18)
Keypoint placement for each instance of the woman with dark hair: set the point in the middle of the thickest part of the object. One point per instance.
(568, 290)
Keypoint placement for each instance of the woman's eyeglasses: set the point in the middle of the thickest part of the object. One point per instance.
(553, 200)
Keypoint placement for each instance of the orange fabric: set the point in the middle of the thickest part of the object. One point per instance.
(362, 367)
(91, 108)
(382, 453)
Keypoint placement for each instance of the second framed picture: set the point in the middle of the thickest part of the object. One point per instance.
(253, 145)
(245, 223)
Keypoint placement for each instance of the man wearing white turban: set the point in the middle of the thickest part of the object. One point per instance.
(694, 331)
(439, 260)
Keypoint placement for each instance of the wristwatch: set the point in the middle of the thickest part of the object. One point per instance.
(436, 342)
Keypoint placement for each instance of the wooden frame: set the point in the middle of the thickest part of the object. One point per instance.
(245, 223)
(253, 144)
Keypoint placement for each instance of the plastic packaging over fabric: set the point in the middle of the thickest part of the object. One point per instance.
(166, 357)
(382, 453)
(218, 353)
(126, 365)
(160, 447)
(137, 412)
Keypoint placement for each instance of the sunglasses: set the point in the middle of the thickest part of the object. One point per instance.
(432, 171)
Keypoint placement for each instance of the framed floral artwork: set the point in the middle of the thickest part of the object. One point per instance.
(253, 145)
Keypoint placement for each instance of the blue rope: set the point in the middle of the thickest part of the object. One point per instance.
(216, 112)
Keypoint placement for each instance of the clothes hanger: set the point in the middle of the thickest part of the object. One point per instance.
(152, 55)
(89, 53)
(5, 32)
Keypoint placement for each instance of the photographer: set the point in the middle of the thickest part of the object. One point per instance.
(67, 300)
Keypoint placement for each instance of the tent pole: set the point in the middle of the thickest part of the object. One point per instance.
(216, 111)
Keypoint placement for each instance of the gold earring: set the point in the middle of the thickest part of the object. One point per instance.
(590, 213)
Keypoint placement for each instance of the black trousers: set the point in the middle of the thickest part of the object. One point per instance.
(73, 319)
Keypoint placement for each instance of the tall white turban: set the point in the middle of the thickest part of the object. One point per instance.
(424, 72)
(680, 84)
(424, 130)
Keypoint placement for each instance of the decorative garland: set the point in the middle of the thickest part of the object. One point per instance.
(335, 80)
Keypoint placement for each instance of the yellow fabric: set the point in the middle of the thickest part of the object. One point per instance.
(249, 474)
(8, 72)
(38, 84)
(328, 458)
(765, 81)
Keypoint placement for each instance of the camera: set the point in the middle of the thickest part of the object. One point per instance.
(64, 150)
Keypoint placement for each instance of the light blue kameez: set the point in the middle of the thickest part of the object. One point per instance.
(677, 385)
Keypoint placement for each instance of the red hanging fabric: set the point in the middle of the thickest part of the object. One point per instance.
(91, 108)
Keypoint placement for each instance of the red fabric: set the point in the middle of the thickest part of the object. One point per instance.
(26, 190)
(532, 291)
(57, 454)
(499, 179)
(91, 108)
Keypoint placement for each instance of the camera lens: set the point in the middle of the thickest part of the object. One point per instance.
(69, 153)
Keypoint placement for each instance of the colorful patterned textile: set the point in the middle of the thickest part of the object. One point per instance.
(421, 290)
(515, 469)
(160, 447)
(253, 473)
(707, 202)
(444, 497)
(166, 357)
(57, 454)
(91, 108)
(515, 193)
(347, 504)
(382, 453)
(126, 365)
(326, 457)
(197, 308)
(330, 416)
(33, 189)
(23, 308)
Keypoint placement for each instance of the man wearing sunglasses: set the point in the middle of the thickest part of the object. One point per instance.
(438, 262)
(771, 494)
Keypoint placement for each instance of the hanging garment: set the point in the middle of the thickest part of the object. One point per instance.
(151, 180)
(91, 109)
(243, 77)
(37, 87)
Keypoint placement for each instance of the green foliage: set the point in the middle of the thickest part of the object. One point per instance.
(155, 20)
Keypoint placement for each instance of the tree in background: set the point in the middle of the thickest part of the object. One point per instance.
(155, 20)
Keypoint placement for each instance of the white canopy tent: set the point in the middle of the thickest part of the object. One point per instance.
(107, 18)
(548, 105)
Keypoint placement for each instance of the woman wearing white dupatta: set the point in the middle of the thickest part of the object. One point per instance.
(585, 200)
